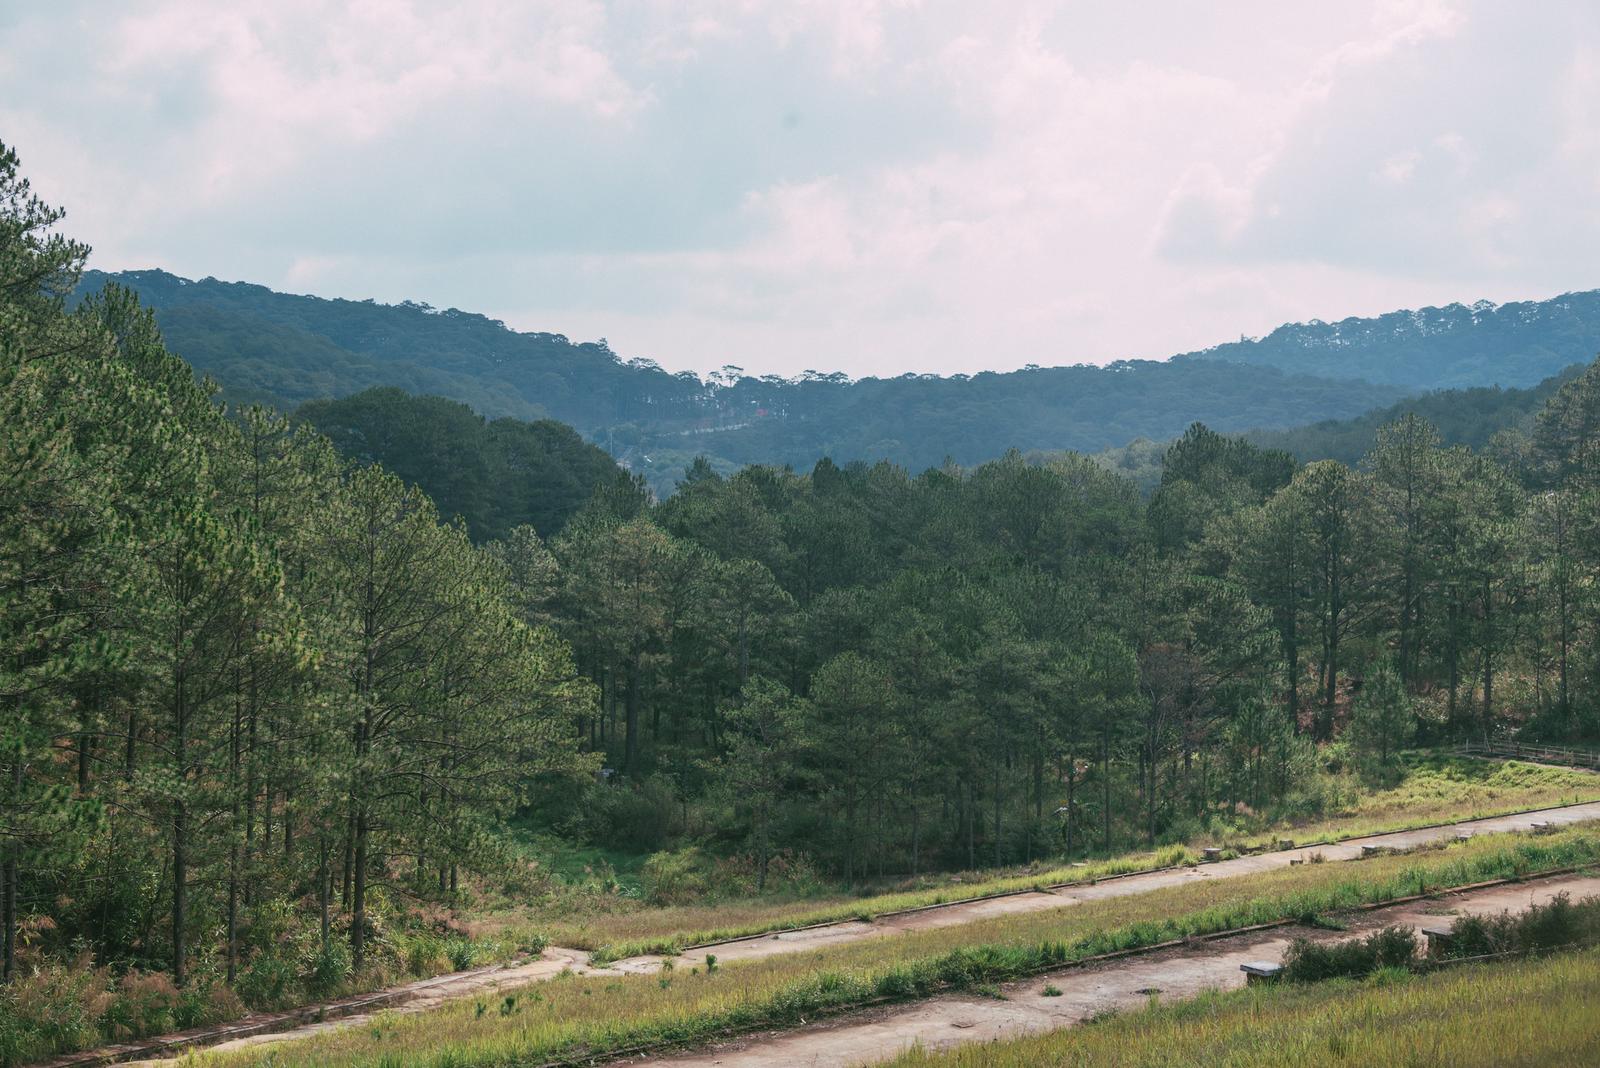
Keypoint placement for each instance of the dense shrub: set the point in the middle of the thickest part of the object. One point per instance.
(328, 967)
(1543, 927)
(270, 982)
(1311, 962)
(677, 877)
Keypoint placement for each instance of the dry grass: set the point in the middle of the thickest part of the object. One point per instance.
(578, 1018)
(1537, 1012)
(669, 930)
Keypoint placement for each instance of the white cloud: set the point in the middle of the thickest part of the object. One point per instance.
(877, 186)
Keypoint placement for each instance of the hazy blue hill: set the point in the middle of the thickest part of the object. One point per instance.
(264, 344)
(1459, 345)
(919, 421)
(1468, 417)
(285, 349)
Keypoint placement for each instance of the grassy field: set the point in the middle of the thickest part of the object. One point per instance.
(577, 1018)
(1441, 789)
(1528, 1013)
(1435, 789)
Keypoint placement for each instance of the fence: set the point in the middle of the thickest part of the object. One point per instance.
(1541, 754)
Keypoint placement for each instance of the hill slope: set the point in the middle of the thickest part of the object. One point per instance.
(1483, 344)
(495, 474)
(1470, 417)
(284, 349)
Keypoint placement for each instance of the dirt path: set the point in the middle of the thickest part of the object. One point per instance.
(1176, 973)
(415, 997)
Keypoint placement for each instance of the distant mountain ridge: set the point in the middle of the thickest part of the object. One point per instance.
(286, 350)
(1457, 346)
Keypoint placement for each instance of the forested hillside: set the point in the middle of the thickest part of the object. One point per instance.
(264, 718)
(1457, 346)
(280, 349)
(497, 475)
(1470, 417)
(283, 350)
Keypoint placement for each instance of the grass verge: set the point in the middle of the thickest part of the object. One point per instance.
(1531, 1012)
(574, 1020)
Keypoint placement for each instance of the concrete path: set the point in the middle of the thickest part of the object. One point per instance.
(427, 993)
(1176, 973)
(1123, 886)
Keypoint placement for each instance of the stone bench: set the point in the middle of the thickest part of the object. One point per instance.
(1260, 971)
(1210, 853)
(1371, 850)
(1438, 939)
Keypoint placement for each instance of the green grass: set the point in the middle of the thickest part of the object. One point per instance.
(1528, 1013)
(574, 863)
(580, 1018)
(1438, 789)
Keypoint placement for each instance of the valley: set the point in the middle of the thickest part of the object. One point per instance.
(386, 686)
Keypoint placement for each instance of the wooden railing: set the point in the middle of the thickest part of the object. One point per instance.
(1539, 754)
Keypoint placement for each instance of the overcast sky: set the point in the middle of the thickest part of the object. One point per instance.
(872, 187)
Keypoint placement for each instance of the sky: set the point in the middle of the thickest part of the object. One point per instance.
(871, 186)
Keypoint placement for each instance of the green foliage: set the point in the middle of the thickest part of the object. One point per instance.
(238, 679)
(497, 475)
(1312, 962)
(1381, 723)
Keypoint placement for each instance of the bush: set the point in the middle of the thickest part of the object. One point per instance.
(146, 1004)
(678, 877)
(634, 818)
(462, 952)
(1312, 962)
(268, 983)
(53, 1010)
(328, 967)
(1544, 927)
(422, 955)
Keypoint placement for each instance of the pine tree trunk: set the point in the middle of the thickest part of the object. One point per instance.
(630, 742)
(8, 888)
(180, 832)
(1105, 788)
(358, 897)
